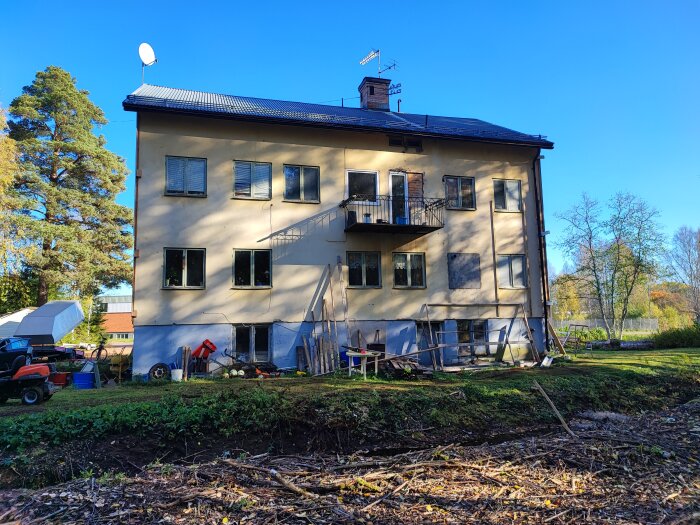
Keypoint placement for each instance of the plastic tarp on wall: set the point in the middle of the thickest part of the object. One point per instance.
(48, 324)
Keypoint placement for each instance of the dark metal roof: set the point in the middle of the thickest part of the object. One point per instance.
(157, 98)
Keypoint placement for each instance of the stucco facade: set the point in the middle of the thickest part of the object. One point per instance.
(306, 239)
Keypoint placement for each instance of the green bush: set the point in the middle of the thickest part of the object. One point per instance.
(688, 337)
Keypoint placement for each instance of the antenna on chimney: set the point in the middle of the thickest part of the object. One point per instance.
(376, 53)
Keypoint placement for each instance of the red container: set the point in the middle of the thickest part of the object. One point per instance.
(203, 350)
(61, 379)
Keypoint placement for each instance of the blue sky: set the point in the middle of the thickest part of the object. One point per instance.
(616, 85)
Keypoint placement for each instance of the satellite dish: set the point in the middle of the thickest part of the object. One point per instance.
(148, 56)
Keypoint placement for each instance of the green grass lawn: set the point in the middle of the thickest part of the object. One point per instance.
(626, 381)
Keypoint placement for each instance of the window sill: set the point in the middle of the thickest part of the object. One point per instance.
(351, 287)
(507, 211)
(241, 198)
(251, 288)
(190, 195)
(183, 288)
(297, 201)
(410, 287)
(513, 287)
(460, 209)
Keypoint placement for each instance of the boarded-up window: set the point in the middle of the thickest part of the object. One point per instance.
(415, 185)
(463, 270)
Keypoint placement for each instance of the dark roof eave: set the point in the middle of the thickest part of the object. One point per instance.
(251, 118)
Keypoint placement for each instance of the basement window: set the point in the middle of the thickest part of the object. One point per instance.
(252, 180)
(362, 185)
(301, 183)
(506, 195)
(511, 271)
(183, 268)
(185, 176)
(253, 343)
(471, 335)
(409, 270)
(252, 268)
(364, 269)
(459, 192)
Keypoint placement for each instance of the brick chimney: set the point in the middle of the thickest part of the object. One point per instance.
(374, 93)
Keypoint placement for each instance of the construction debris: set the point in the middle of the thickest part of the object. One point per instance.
(641, 470)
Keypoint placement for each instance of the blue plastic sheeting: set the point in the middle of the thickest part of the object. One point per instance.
(517, 331)
(163, 344)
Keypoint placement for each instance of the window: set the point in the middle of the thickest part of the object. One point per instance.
(185, 176)
(471, 335)
(184, 268)
(506, 195)
(120, 335)
(252, 180)
(301, 183)
(253, 343)
(463, 270)
(511, 271)
(252, 268)
(363, 185)
(364, 269)
(409, 270)
(459, 192)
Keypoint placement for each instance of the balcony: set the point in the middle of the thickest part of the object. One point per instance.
(393, 214)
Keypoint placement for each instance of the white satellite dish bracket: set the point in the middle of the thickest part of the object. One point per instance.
(147, 56)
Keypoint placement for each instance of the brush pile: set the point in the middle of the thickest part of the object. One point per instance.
(615, 469)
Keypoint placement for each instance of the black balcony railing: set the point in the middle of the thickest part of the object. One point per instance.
(397, 214)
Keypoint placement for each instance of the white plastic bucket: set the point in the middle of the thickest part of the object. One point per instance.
(176, 374)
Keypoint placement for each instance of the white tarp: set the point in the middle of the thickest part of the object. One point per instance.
(48, 324)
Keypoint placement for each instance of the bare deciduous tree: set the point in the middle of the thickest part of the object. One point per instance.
(684, 262)
(613, 249)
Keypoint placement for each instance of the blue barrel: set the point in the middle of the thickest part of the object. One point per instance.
(83, 380)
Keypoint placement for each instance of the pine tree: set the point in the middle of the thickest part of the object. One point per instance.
(67, 184)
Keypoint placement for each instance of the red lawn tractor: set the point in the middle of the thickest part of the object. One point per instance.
(30, 383)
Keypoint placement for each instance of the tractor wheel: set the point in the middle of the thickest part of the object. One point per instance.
(159, 371)
(32, 396)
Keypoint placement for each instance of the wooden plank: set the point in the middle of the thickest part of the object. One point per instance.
(555, 338)
(495, 267)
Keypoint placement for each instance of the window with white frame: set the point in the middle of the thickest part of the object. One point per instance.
(409, 270)
(253, 343)
(301, 183)
(252, 268)
(512, 271)
(459, 192)
(183, 268)
(363, 185)
(185, 176)
(252, 180)
(364, 269)
(506, 195)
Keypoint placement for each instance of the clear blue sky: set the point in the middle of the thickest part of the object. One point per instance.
(616, 85)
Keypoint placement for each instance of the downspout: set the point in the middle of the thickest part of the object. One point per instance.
(542, 242)
(137, 178)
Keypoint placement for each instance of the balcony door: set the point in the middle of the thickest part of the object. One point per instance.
(399, 202)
